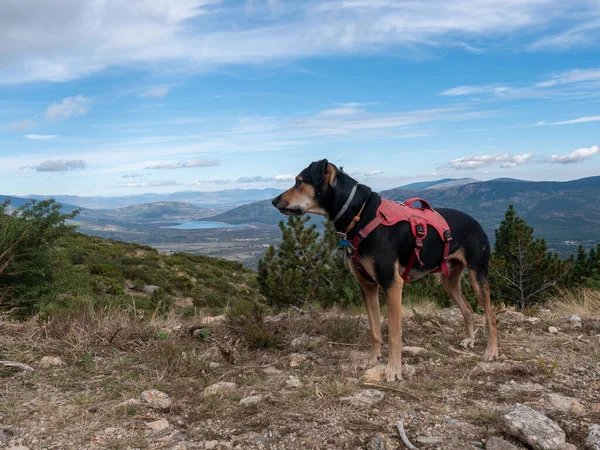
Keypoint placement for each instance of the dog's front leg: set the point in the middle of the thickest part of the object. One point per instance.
(393, 295)
(370, 295)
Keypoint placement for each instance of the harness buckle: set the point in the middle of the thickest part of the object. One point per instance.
(447, 235)
(420, 230)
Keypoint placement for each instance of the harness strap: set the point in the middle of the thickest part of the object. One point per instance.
(347, 204)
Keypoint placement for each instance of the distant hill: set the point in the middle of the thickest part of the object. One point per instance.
(437, 184)
(159, 211)
(17, 202)
(219, 199)
(257, 212)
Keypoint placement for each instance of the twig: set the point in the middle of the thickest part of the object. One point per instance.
(114, 335)
(344, 343)
(460, 352)
(402, 433)
(17, 364)
(389, 388)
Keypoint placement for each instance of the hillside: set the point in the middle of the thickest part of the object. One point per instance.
(439, 184)
(159, 211)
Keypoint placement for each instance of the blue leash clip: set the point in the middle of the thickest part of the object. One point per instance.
(342, 243)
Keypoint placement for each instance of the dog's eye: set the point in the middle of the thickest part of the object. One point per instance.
(298, 183)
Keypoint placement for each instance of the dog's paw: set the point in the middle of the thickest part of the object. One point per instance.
(393, 373)
(468, 343)
(491, 355)
(372, 360)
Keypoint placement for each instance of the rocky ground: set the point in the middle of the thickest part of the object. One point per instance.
(106, 380)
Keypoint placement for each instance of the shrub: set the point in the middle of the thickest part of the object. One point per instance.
(246, 319)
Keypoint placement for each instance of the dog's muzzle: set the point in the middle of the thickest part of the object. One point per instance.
(282, 206)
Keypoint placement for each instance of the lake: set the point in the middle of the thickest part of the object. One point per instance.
(201, 225)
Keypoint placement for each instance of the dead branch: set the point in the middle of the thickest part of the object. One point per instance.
(400, 426)
(18, 365)
(389, 388)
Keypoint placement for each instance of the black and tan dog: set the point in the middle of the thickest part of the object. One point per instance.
(323, 189)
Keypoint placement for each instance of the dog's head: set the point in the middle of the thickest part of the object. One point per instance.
(311, 192)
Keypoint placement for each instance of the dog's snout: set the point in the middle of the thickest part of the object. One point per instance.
(274, 201)
(278, 202)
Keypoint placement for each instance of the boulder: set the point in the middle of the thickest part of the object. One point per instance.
(532, 428)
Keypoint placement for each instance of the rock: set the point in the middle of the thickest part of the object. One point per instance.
(374, 374)
(157, 399)
(486, 368)
(380, 442)
(592, 441)
(297, 359)
(546, 314)
(413, 351)
(18, 447)
(519, 388)
(553, 330)
(367, 397)
(511, 317)
(210, 445)
(251, 400)
(568, 447)
(533, 320)
(293, 382)
(575, 321)
(495, 443)
(429, 440)
(212, 319)
(150, 288)
(305, 340)
(532, 428)
(272, 370)
(214, 365)
(563, 404)
(158, 425)
(220, 388)
(50, 361)
(452, 316)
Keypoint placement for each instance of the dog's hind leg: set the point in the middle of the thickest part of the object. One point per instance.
(481, 287)
(393, 296)
(453, 289)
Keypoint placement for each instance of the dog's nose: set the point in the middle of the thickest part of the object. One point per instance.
(275, 201)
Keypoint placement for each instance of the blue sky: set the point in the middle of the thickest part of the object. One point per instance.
(117, 98)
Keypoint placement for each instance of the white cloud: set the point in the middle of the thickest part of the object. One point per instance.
(22, 125)
(372, 173)
(576, 76)
(473, 90)
(145, 184)
(59, 165)
(41, 137)
(260, 179)
(286, 177)
(69, 39)
(186, 164)
(584, 119)
(576, 156)
(155, 93)
(134, 175)
(70, 106)
(504, 160)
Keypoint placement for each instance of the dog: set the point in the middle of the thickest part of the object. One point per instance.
(384, 254)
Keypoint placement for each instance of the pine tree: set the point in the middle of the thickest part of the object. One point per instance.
(523, 270)
(305, 268)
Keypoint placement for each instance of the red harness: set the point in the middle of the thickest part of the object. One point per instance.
(390, 213)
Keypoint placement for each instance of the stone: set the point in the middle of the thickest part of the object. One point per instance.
(305, 340)
(575, 321)
(158, 425)
(380, 441)
(511, 317)
(271, 370)
(129, 402)
(212, 319)
(157, 399)
(513, 387)
(533, 320)
(429, 440)
(452, 316)
(375, 374)
(293, 382)
(297, 359)
(532, 428)
(18, 447)
(210, 445)
(367, 397)
(413, 351)
(50, 361)
(592, 440)
(563, 404)
(220, 388)
(150, 288)
(251, 400)
(214, 365)
(553, 330)
(495, 443)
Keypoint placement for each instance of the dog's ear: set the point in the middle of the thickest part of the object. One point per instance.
(323, 172)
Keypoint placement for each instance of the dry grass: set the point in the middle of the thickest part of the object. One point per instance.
(585, 303)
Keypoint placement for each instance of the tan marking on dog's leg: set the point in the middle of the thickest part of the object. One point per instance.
(452, 286)
(370, 295)
(393, 297)
(483, 295)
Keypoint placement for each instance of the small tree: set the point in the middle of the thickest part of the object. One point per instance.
(27, 239)
(306, 267)
(523, 271)
(586, 268)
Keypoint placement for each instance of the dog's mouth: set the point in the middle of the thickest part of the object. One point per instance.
(291, 211)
